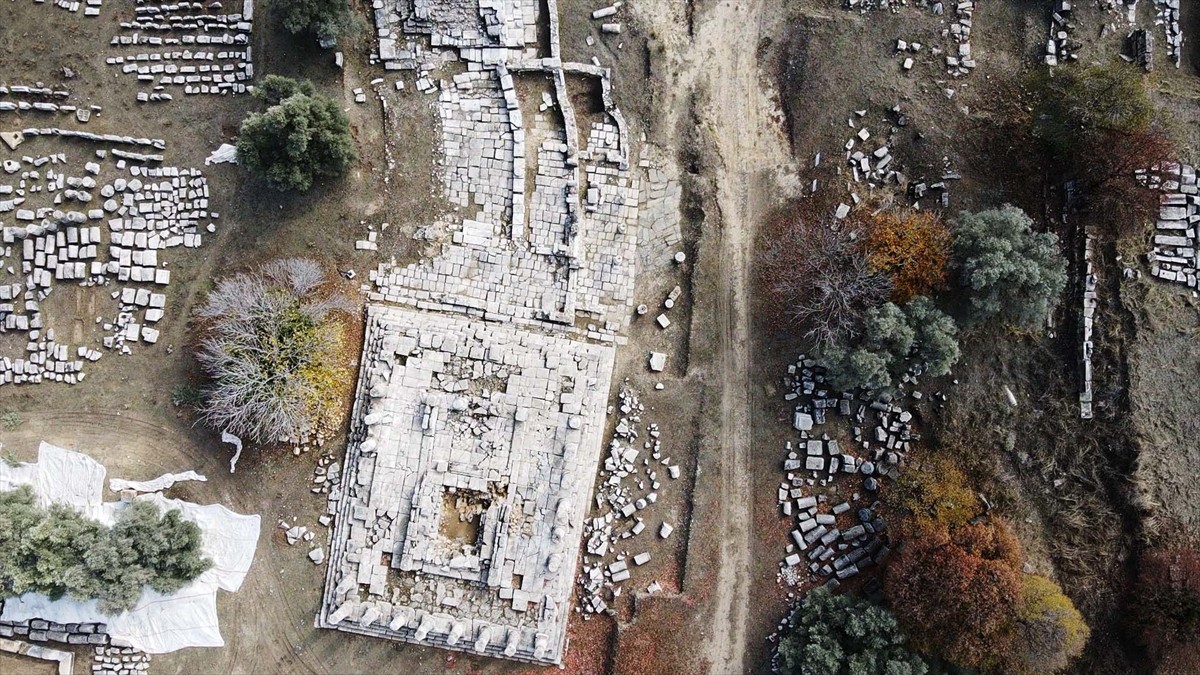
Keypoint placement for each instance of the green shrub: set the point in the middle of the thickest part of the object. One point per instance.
(58, 552)
(302, 136)
(936, 336)
(844, 635)
(1009, 271)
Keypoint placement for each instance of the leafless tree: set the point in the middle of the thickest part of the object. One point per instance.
(817, 279)
(269, 348)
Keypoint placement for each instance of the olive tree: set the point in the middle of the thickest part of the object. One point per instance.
(894, 340)
(301, 136)
(327, 19)
(57, 551)
(1009, 271)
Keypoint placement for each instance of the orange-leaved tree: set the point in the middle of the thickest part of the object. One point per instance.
(912, 247)
(956, 591)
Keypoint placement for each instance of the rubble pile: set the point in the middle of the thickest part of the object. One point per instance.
(960, 62)
(865, 6)
(1140, 45)
(837, 538)
(1060, 48)
(196, 50)
(872, 163)
(1173, 257)
(959, 59)
(295, 534)
(630, 480)
(90, 226)
(869, 164)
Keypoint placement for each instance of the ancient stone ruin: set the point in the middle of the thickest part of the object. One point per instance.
(485, 374)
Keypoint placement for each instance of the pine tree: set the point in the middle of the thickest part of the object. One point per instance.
(844, 635)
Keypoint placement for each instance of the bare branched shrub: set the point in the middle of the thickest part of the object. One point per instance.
(271, 350)
(1166, 605)
(819, 280)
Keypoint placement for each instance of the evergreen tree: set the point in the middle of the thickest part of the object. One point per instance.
(1008, 270)
(844, 635)
(302, 136)
(885, 351)
(327, 19)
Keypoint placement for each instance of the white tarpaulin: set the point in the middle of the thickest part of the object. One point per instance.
(155, 485)
(224, 154)
(59, 477)
(158, 623)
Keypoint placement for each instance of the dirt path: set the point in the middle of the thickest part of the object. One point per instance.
(739, 119)
(751, 147)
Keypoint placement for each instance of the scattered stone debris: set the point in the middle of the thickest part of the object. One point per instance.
(1173, 257)
(193, 49)
(959, 60)
(629, 486)
(86, 226)
(90, 8)
(871, 162)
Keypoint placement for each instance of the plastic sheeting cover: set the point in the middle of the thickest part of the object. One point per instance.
(158, 623)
